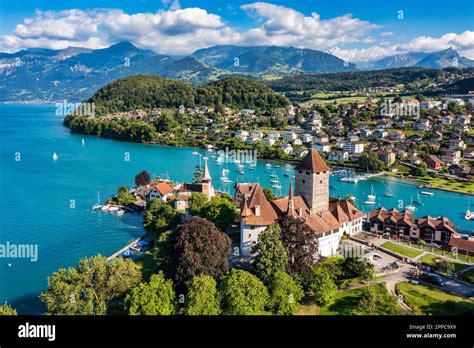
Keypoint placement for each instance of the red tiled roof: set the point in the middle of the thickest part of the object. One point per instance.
(163, 188)
(313, 163)
(461, 243)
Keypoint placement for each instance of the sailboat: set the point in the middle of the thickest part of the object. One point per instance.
(417, 201)
(224, 177)
(55, 156)
(389, 192)
(372, 195)
(83, 142)
(97, 206)
(411, 207)
(469, 215)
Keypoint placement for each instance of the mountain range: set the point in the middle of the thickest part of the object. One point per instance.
(74, 74)
(437, 60)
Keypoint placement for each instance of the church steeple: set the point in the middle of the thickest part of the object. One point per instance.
(206, 176)
(291, 204)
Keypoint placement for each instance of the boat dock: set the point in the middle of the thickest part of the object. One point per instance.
(117, 253)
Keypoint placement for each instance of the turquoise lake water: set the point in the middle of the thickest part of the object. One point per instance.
(38, 195)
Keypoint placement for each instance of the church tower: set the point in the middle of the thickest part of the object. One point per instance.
(312, 182)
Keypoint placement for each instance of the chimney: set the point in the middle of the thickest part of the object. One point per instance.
(257, 210)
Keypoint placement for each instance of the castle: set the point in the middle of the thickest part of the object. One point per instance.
(329, 218)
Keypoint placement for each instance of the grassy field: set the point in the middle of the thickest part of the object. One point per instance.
(147, 264)
(431, 260)
(440, 183)
(308, 309)
(400, 249)
(347, 301)
(428, 300)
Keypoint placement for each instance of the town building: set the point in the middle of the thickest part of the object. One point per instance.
(402, 224)
(328, 217)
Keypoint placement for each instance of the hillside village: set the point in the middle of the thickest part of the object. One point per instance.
(409, 137)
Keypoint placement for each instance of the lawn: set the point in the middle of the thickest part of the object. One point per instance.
(147, 264)
(428, 300)
(431, 260)
(347, 301)
(400, 249)
(308, 309)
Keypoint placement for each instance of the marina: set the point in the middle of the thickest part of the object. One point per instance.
(53, 222)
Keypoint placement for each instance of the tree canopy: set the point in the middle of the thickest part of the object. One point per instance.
(6, 309)
(271, 255)
(156, 297)
(200, 248)
(203, 297)
(142, 178)
(94, 287)
(301, 244)
(285, 294)
(243, 293)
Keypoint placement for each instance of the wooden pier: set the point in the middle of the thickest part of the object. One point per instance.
(117, 253)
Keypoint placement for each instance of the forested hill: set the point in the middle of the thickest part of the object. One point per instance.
(151, 91)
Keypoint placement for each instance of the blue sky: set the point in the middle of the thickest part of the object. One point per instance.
(354, 30)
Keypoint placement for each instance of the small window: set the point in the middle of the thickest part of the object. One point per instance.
(320, 181)
(303, 181)
(307, 173)
(299, 171)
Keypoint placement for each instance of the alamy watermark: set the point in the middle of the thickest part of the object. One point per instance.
(400, 109)
(237, 156)
(65, 108)
(19, 251)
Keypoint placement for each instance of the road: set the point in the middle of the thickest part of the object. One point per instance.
(450, 285)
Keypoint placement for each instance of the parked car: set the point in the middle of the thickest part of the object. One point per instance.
(432, 278)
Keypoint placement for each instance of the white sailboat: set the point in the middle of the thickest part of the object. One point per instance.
(97, 206)
(224, 177)
(469, 215)
(389, 192)
(83, 142)
(417, 201)
(372, 195)
(411, 207)
(55, 156)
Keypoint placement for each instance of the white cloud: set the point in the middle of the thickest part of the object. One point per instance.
(285, 26)
(176, 30)
(166, 31)
(463, 43)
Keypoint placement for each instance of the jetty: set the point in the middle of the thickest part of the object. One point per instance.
(117, 253)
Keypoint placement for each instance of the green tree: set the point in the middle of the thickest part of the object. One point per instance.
(95, 287)
(420, 170)
(196, 203)
(221, 211)
(163, 252)
(6, 309)
(285, 294)
(243, 293)
(124, 197)
(200, 248)
(323, 288)
(159, 216)
(357, 268)
(377, 301)
(156, 297)
(269, 194)
(370, 161)
(203, 297)
(271, 254)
